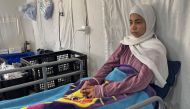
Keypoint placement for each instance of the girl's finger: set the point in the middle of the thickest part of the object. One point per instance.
(88, 90)
(89, 87)
(89, 95)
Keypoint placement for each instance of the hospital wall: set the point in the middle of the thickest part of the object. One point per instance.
(10, 9)
(174, 24)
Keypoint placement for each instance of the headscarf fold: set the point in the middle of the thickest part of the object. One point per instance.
(147, 48)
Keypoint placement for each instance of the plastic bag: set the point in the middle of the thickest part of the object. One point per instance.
(46, 8)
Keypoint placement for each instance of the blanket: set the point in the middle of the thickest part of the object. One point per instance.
(73, 99)
(40, 97)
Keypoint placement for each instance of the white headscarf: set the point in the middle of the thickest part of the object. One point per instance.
(148, 49)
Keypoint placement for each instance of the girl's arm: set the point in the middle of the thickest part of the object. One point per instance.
(133, 83)
(113, 61)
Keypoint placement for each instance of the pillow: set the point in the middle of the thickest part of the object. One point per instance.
(116, 75)
(120, 72)
(173, 68)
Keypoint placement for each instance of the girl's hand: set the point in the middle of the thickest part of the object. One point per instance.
(85, 85)
(89, 91)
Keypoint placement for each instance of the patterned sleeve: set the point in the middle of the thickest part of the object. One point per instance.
(131, 84)
(113, 60)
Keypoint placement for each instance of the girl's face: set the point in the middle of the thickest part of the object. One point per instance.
(137, 25)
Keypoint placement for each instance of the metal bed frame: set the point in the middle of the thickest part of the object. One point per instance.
(45, 79)
(150, 100)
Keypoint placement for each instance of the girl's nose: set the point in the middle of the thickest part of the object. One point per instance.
(133, 27)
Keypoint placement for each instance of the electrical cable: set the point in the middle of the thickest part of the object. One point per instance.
(86, 11)
(72, 21)
(89, 39)
(87, 24)
(59, 32)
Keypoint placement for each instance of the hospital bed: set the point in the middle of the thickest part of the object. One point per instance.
(173, 67)
(13, 104)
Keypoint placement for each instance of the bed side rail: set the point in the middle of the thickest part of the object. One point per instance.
(45, 78)
(148, 101)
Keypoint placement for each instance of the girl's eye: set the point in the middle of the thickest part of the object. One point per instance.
(138, 22)
(131, 23)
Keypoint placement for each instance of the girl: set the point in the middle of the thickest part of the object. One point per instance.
(141, 50)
